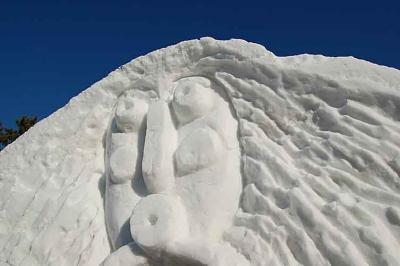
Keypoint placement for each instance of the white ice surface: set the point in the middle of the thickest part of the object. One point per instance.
(318, 180)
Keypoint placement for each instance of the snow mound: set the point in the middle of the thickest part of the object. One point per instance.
(212, 153)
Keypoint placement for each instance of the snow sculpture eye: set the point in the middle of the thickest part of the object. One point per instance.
(193, 98)
(130, 114)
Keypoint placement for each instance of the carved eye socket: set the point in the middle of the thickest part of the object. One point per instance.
(130, 113)
(192, 99)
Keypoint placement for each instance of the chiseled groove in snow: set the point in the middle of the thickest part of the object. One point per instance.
(387, 175)
(63, 197)
(92, 236)
(79, 216)
(281, 219)
(35, 193)
(24, 210)
(50, 176)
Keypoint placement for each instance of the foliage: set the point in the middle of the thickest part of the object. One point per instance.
(8, 135)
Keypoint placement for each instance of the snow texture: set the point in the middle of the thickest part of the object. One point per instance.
(212, 153)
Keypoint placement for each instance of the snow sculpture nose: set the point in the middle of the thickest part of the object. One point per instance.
(160, 142)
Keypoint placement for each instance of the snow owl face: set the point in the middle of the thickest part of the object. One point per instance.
(173, 168)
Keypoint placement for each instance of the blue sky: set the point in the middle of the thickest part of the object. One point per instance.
(52, 50)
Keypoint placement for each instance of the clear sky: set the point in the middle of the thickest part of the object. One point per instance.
(52, 50)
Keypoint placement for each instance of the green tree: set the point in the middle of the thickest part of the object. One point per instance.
(8, 135)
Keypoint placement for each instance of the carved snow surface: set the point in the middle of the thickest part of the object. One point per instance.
(212, 153)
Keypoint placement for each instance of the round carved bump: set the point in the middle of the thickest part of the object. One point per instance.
(158, 220)
(122, 164)
(130, 114)
(198, 150)
(193, 98)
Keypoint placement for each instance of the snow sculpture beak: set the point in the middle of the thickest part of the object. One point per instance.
(160, 143)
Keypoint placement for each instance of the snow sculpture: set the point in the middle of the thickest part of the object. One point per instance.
(212, 153)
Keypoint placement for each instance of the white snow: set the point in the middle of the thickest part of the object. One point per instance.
(212, 153)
